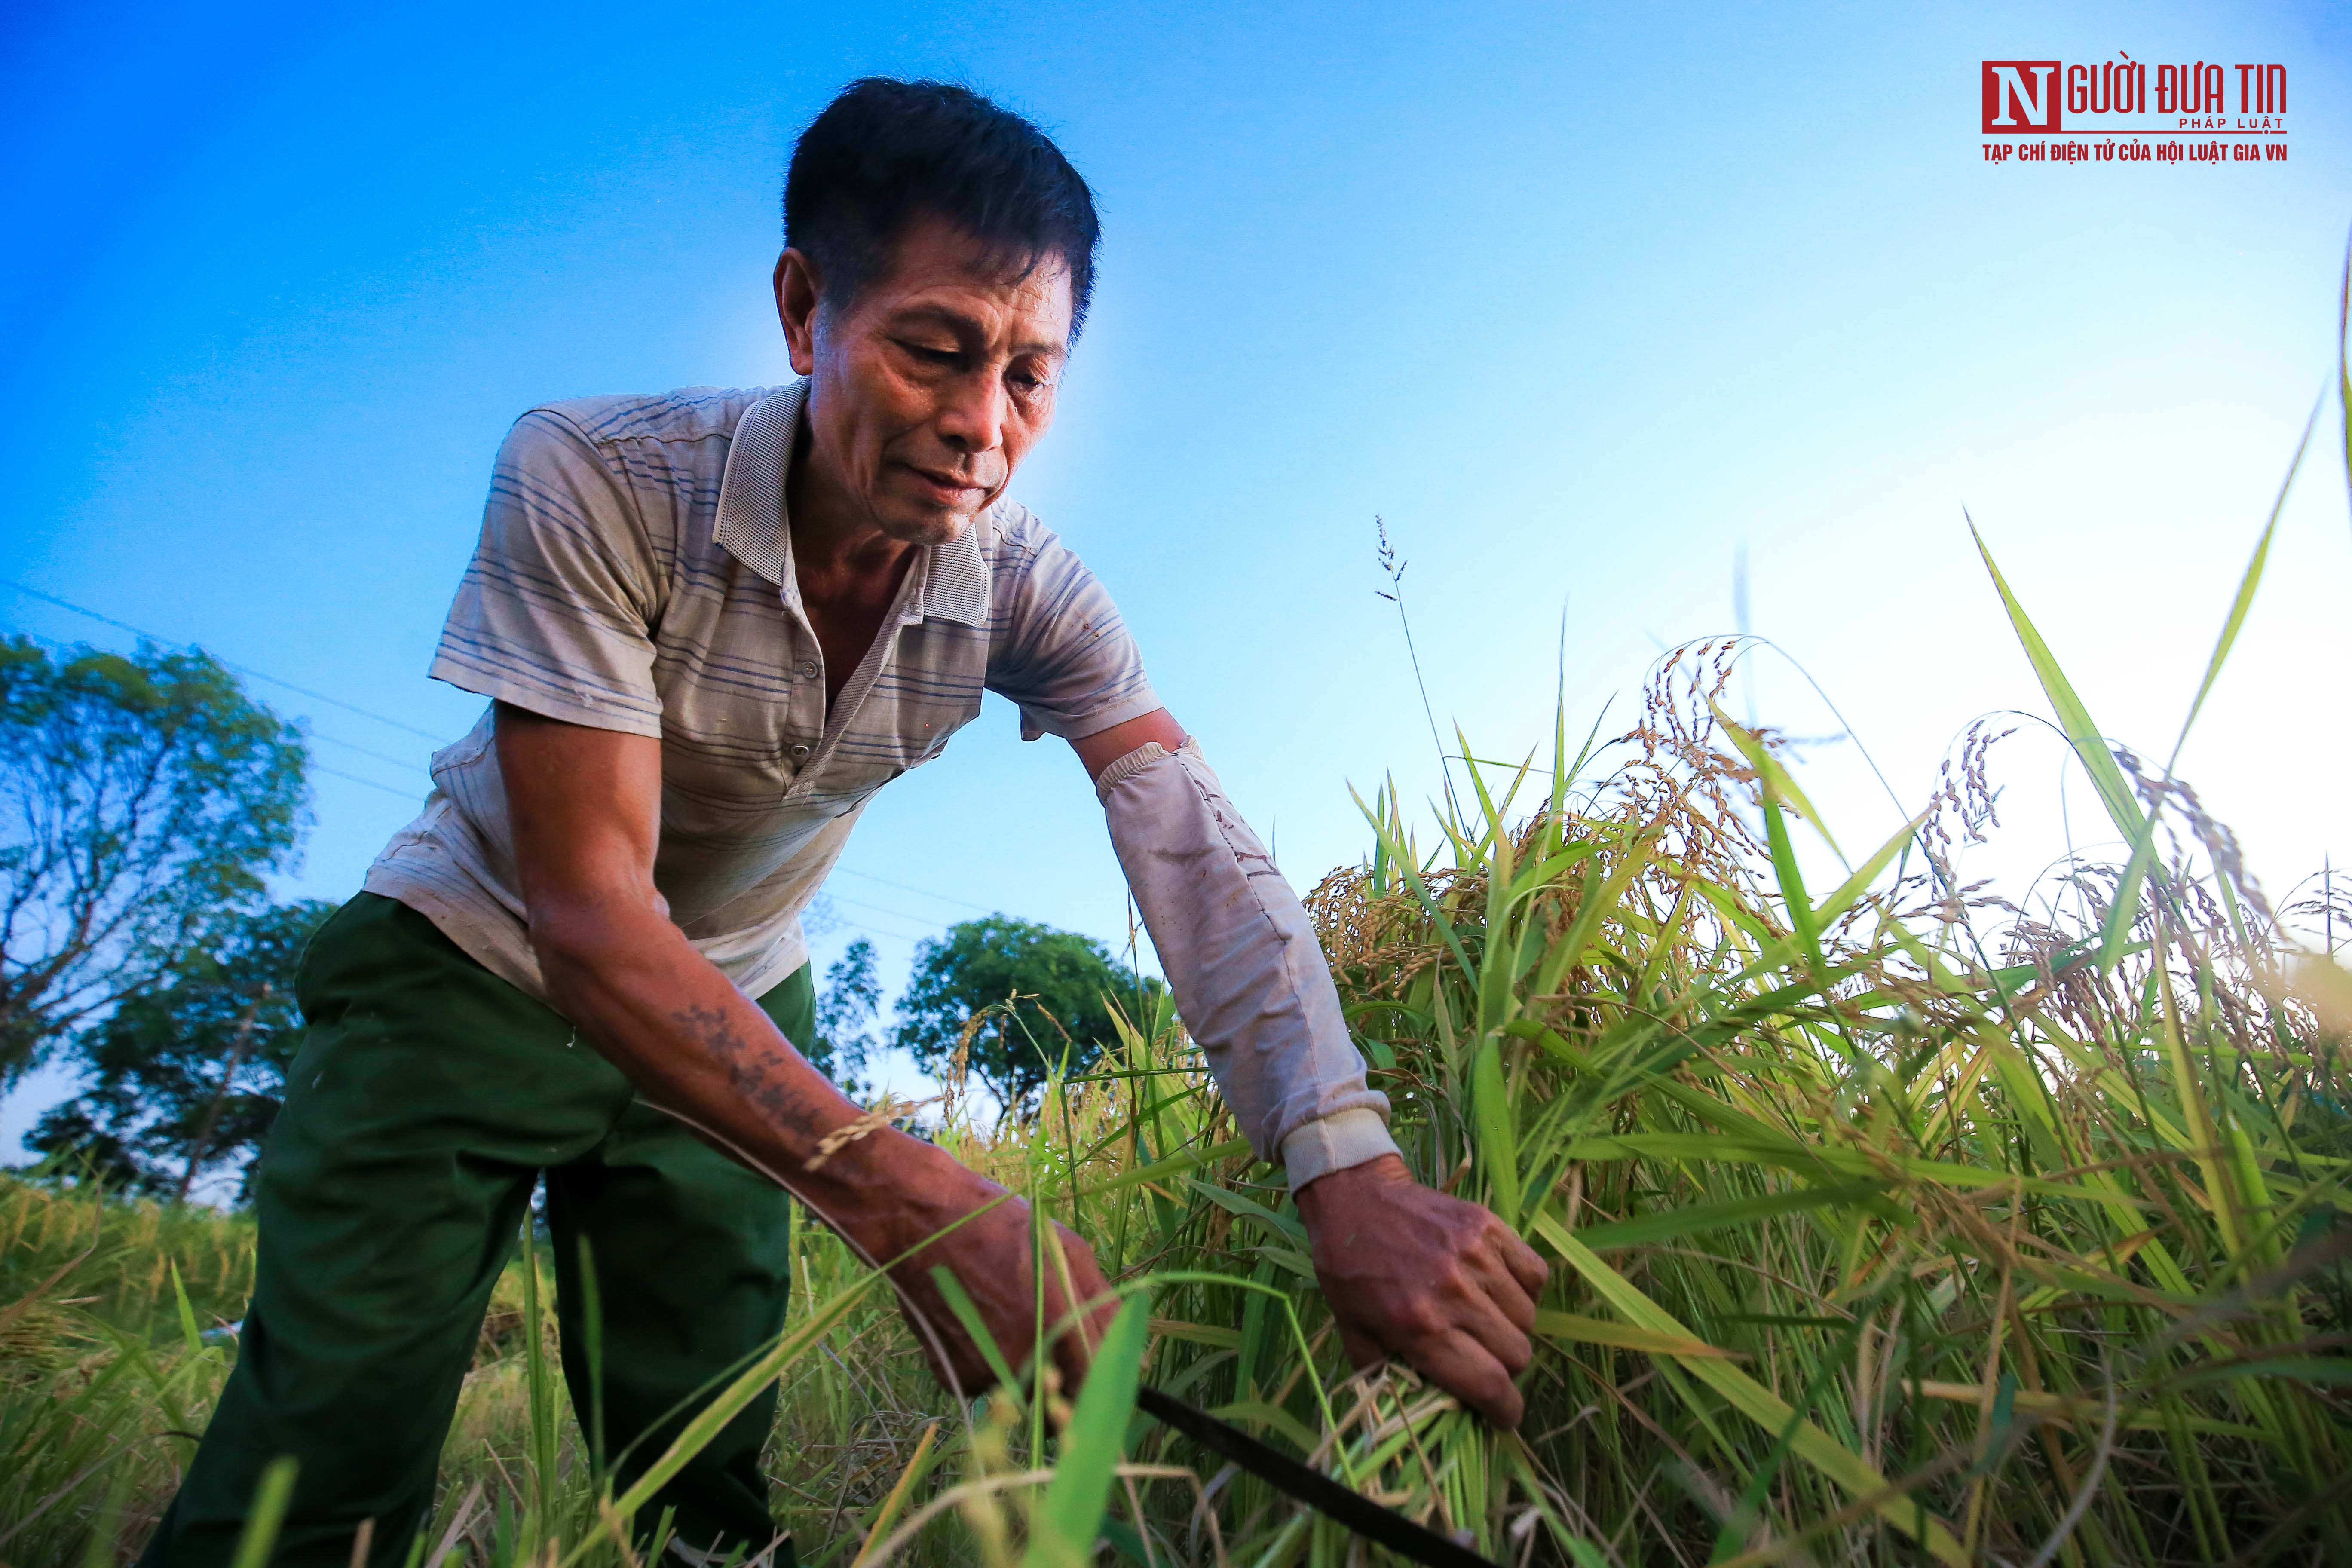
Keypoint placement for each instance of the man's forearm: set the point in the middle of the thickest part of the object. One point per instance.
(698, 1048)
(1241, 956)
(586, 809)
(695, 1046)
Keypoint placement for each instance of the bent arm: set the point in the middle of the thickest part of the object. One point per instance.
(585, 804)
(586, 809)
(1407, 1270)
(1239, 951)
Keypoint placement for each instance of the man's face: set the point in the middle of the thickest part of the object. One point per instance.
(930, 386)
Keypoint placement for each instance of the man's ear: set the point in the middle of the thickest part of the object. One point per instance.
(796, 306)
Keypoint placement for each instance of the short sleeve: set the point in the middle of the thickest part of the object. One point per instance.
(557, 609)
(1065, 657)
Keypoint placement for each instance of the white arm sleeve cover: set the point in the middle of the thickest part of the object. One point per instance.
(1249, 977)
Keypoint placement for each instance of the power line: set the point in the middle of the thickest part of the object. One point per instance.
(886, 909)
(404, 764)
(313, 765)
(865, 930)
(244, 670)
(910, 888)
(410, 795)
(437, 739)
(831, 917)
(364, 751)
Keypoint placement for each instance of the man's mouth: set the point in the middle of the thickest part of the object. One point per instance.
(948, 488)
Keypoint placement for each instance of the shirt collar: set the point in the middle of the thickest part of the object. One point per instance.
(750, 524)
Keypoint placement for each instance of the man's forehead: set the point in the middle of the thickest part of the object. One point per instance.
(943, 274)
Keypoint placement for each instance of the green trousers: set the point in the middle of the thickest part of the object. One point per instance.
(428, 1099)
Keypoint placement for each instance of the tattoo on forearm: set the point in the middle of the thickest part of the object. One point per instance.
(752, 1072)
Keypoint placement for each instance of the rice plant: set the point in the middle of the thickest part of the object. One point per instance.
(1893, 1223)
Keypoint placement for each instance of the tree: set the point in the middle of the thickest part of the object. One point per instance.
(1041, 991)
(845, 1010)
(142, 801)
(187, 1078)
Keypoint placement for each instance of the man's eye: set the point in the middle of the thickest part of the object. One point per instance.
(929, 355)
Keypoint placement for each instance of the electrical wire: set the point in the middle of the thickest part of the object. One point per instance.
(244, 670)
(409, 794)
(412, 796)
(886, 910)
(364, 751)
(910, 888)
(406, 763)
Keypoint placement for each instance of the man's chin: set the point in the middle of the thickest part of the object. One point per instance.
(926, 528)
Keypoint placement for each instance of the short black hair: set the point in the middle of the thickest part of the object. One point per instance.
(886, 152)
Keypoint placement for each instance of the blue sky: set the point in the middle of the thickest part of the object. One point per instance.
(1583, 301)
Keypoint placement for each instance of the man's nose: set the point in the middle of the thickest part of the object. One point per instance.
(973, 418)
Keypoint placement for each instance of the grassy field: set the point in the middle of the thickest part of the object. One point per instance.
(1888, 1223)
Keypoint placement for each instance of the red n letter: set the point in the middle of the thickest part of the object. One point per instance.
(2020, 97)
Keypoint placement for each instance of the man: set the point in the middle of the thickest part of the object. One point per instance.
(711, 624)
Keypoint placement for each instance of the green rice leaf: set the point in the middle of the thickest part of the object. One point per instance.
(707, 1422)
(1851, 890)
(2090, 745)
(267, 1514)
(1174, 1165)
(1625, 1336)
(1071, 1515)
(1758, 1404)
(1290, 1259)
(1700, 1148)
(1775, 777)
(1498, 1137)
(1272, 1417)
(2335, 1370)
(959, 1302)
(1600, 901)
(1250, 1209)
(189, 1333)
(1670, 1223)
(2250, 580)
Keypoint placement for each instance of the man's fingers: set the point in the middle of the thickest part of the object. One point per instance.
(1462, 1367)
(1483, 1321)
(1505, 1289)
(1514, 1264)
(1442, 1282)
(1074, 1359)
(1524, 1264)
(1082, 1306)
(1480, 1294)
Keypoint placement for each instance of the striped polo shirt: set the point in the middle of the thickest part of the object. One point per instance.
(635, 574)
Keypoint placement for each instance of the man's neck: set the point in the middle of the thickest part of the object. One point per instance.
(839, 554)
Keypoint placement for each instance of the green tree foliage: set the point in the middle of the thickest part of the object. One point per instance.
(186, 1078)
(845, 1011)
(143, 799)
(1037, 993)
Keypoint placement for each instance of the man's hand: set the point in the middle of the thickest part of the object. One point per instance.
(1412, 1273)
(989, 1255)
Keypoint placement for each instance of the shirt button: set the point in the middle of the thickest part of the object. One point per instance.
(808, 668)
(799, 753)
